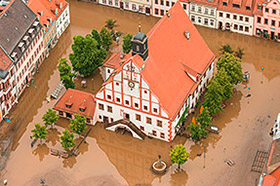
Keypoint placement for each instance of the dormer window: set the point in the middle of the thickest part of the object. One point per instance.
(224, 3)
(82, 109)
(235, 6)
(248, 8)
(259, 7)
(68, 105)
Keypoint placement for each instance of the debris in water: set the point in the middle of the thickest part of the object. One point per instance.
(5, 182)
(229, 162)
(248, 95)
(198, 154)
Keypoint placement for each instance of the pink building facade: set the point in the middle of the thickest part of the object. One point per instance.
(267, 19)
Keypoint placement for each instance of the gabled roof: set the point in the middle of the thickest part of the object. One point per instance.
(5, 64)
(241, 10)
(14, 23)
(115, 60)
(77, 99)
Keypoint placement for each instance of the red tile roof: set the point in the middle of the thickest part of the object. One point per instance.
(5, 61)
(241, 10)
(77, 99)
(203, 2)
(269, 180)
(114, 61)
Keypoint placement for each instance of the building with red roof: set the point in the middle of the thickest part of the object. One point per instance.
(76, 102)
(167, 71)
(236, 16)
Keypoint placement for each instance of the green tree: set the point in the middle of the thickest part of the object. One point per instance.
(111, 24)
(66, 76)
(78, 124)
(67, 139)
(204, 118)
(179, 155)
(226, 49)
(239, 52)
(197, 132)
(106, 38)
(87, 55)
(127, 44)
(223, 79)
(50, 117)
(232, 66)
(95, 35)
(213, 97)
(39, 132)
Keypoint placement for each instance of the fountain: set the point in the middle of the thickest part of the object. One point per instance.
(159, 167)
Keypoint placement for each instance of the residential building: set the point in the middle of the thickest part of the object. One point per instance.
(163, 75)
(160, 7)
(203, 12)
(47, 19)
(22, 40)
(76, 102)
(276, 128)
(267, 19)
(139, 6)
(8, 92)
(61, 9)
(236, 16)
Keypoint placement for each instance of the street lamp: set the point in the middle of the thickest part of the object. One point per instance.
(204, 146)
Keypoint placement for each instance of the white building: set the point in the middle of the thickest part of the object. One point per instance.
(276, 128)
(160, 7)
(63, 19)
(148, 92)
(203, 13)
(236, 16)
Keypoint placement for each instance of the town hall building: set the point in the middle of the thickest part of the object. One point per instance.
(147, 91)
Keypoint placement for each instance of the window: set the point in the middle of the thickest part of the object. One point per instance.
(136, 105)
(145, 107)
(173, 3)
(154, 133)
(101, 106)
(126, 116)
(240, 28)
(193, 8)
(167, 3)
(109, 109)
(272, 22)
(109, 96)
(224, 3)
(60, 113)
(137, 117)
(155, 110)
(126, 4)
(185, 6)
(212, 12)
(212, 22)
(259, 20)
(162, 135)
(234, 17)
(156, 2)
(100, 117)
(246, 19)
(259, 7)
(258, 31)
(159, 123)
(156, 11)
(199, 9)
(273, 11)
(161, 2)
(68, 105)
(133, 7)
(116, 2)
(110, 2)
(235, 6)
(162, 12)
(148, 120)
(206, 11)
(82, 109)
(199, 20)
(248, 8)
(228, 16)
(241, 18)
(142, 128)
(193, 18)
(205, 21)
(126, 102)
(88, 120)
(235, 27)
(246, 29)
(266, 10)
(265, 21)
(112, 120)
(118, 100)
(220, 14)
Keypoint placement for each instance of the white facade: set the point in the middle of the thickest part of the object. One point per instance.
(234, 22)
(276, 128)
(62, 21)
(203, 15)
(160, 7)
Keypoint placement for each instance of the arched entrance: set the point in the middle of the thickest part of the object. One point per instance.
(227, 26)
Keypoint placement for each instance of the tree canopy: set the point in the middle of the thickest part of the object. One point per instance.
(239, 52)
(39, 132)
(67, 139)
(179, 155)
(50, 117)
(95, 35)
(197, 132)
(78, 124)
(232, 66)
(224, 80)
(66, 76)
(111, 24)
(106, 38)
(204, 118)
(87, 55)
(226, 49)
(127, 44)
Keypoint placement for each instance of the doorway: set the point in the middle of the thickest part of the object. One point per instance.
(121, 5)
(148, 10)
(105, 119)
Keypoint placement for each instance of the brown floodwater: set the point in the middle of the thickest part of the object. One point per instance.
(108, 158)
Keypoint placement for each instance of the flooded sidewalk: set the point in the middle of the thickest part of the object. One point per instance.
(108, 158)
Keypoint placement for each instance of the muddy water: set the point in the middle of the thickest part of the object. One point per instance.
(114, 159)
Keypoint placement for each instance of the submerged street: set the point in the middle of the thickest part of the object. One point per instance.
(114, 159)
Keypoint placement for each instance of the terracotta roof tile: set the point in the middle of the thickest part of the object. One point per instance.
(115, 60)
(77, 99)
(241, 10)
